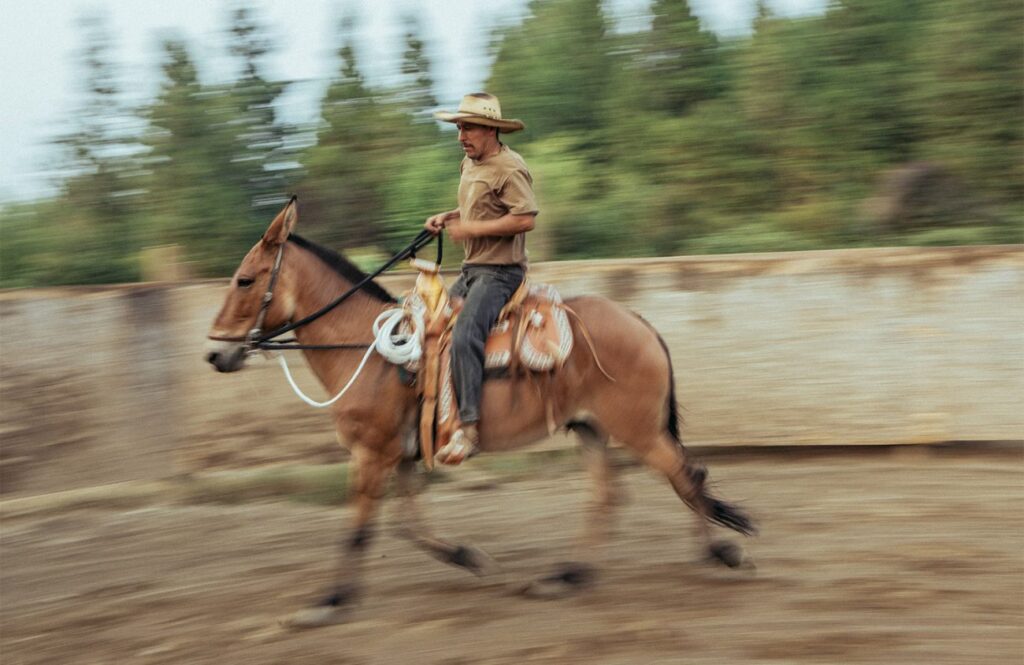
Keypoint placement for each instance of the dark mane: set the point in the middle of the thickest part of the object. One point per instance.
(343, 267)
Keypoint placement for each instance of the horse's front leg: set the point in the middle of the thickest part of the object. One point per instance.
(414, 527)
(581, 571)
(370, 469)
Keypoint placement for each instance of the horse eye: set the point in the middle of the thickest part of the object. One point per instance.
(245, 282)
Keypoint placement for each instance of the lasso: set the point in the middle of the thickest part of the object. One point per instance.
(390, 341)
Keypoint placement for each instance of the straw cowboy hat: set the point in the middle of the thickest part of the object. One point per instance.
(481, 108)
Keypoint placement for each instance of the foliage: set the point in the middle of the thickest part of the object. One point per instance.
(191, 160)
(554, 68)
(92, 234)
(877, 122)
(969, 97)
(680, 63)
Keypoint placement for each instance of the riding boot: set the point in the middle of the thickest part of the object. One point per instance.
(463, 445)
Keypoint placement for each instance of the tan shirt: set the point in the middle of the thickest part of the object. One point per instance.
(490, 189)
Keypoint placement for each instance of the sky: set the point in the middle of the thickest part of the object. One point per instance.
(39, 43)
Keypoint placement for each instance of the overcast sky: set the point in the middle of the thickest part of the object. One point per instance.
(39, 42)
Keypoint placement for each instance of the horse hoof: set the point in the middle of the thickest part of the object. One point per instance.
(479, 563)
(470, 558)
(314, 617)
(727, 553)
(566, 581)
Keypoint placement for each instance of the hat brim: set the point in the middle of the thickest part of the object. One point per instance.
(508, 126)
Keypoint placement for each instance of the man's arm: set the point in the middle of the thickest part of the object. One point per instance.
(508, 225)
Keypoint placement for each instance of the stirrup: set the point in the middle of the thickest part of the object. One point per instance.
(456, 451)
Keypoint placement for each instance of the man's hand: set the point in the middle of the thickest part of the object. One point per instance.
(436, 223)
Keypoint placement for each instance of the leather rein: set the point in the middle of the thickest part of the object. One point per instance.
(257, 340)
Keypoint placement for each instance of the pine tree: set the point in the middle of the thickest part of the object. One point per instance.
(970, 95)
(416, 93)
(553, 70)
(260, 138)
(191, 199)
(347, 168)
(680, 61)
(103, 179)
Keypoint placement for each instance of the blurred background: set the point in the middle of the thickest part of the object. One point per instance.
(653, 127)
(862, 399)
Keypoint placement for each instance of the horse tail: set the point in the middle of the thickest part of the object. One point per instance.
(720, 512)
(732, 517)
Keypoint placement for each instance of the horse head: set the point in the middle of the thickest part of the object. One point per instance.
(258, 297)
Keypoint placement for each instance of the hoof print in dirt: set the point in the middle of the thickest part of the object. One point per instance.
(315, 617)
(475, 560)
(727, 553)
(566, 580)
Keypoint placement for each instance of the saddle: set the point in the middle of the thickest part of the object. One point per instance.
(532, 337)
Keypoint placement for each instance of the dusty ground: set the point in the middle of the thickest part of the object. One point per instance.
(875, 557)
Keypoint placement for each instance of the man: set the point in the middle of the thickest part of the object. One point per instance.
(496, 209)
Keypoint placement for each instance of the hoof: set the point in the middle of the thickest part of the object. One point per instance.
(314, 617)
(727, 553)
(567, 580)
(475, 560)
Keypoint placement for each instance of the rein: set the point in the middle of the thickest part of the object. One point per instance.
(258, 340)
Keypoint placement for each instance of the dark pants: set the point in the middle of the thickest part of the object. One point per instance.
(485, 289)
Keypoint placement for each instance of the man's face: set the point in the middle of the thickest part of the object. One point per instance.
(476, 140)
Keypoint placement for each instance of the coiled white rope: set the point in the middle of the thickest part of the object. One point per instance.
(397, 346)
(400, 348)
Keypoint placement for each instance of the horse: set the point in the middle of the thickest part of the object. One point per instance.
(617, 384)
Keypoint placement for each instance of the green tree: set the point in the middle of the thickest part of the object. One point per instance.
(191, 145)
(879, 121)
(359, 139)
(33, 247)
(829, 97)
(970, 95)
(416, 92)
(95, 230)
(261, 154)
(680, 62)
(553, 70)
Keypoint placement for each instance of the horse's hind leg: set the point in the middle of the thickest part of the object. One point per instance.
(413, 527)
(570, 576)
(594, 447)
(688, 481)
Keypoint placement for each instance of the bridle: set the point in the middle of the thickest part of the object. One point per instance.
(253, 337)
(257, 340)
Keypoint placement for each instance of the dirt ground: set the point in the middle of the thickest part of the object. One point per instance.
(871, 557)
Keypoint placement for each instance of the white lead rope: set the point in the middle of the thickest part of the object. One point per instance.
(396, 347)
(312, 402)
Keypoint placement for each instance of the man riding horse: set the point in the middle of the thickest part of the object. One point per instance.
(496, 208)
(287, 283)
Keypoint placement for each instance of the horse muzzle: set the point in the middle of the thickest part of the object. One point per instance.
(225, 356)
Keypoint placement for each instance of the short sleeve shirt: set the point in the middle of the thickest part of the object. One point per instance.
(491, 189)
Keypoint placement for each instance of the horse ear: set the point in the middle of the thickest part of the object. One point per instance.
(283, 224)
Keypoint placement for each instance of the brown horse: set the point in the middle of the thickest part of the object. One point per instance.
(377, 417)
